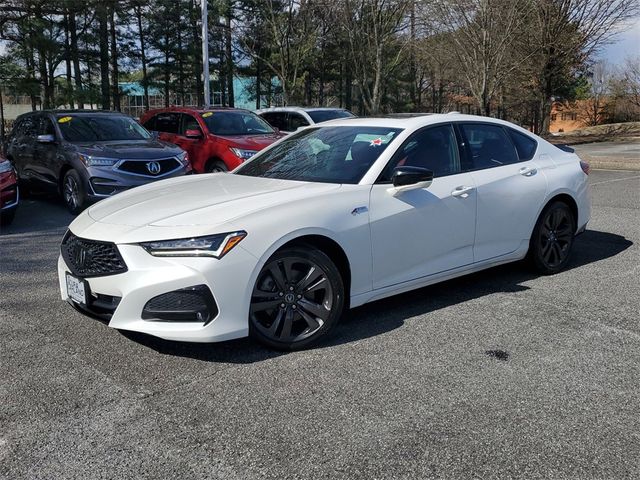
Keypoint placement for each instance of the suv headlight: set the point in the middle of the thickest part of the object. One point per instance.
(210, 246)
(242, 153)
(183, 158)
(91, 161)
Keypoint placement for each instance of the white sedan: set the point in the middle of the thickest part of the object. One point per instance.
(331, 217)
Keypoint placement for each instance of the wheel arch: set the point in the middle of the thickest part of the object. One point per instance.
(63, 171)
(567, 199)
(318, 239)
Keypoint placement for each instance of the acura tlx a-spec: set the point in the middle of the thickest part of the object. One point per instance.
(331, 217)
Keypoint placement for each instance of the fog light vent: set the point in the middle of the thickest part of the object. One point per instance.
(191, 304)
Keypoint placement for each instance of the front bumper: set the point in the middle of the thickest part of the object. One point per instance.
(103, 182)
(229, 279)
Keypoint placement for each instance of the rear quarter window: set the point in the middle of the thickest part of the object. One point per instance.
(525, 146)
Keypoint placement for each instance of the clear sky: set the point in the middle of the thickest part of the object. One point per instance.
(625, 44)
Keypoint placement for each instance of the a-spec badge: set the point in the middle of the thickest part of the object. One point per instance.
(358, 210)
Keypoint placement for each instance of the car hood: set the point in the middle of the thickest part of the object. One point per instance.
(251, 142)
(138, 149)
(200, 200)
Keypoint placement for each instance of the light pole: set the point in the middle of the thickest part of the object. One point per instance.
(205, 53)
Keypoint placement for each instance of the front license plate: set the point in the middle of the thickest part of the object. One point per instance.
(76, 290)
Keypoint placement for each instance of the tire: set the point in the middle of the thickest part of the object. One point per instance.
(297, 300)
(73, 192)
(552, 239)
(216, 166)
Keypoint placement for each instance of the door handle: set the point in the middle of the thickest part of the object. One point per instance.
(528, 171)
(462, 192)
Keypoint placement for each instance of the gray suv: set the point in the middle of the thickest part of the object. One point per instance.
(86, 155)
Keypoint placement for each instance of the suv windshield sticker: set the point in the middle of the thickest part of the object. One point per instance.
(64, 119)
(207, 114)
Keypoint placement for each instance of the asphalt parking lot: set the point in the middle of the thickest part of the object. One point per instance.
(502, 374)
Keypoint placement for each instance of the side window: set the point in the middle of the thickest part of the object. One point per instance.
(526, 146)
(167, 122)
(296, 121)
(28, 127)
(189, 123)
(276, 119)
(489, 146)
(150, 124)
(433, 148)
(46, 127)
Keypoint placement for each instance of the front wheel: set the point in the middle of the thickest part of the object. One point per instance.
(73, 192)
(217, 166)
(297, 299)
(552, 239)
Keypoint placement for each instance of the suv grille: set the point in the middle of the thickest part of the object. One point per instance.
(150, 168)
(90, 258)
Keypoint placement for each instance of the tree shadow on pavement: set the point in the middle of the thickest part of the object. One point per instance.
(386, 315)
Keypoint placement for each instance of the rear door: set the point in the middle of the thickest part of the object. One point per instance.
(22, 146)
(46, 154)
(510, 189)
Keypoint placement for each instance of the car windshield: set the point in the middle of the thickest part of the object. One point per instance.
(319, 116)
(236, 123)
(91, 128)
(330, 154)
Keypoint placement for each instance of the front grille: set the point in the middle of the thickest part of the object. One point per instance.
(149, 168)
(90, 258)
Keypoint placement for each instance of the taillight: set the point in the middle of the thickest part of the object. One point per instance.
(586, 168)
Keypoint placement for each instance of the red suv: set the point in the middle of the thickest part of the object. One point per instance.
(8, 192)
(216, 139)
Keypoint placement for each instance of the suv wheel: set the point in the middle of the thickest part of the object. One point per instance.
(73, 192)
(216, 166)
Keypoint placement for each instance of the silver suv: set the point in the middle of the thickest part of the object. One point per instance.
(290, 119)
(86, 155)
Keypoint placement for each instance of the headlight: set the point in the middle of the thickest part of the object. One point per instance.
(183, 158)
(242, 153)
(210, 246)
(91, 161)
(5, 166)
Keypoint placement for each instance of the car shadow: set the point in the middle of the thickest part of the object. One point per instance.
(386, 315)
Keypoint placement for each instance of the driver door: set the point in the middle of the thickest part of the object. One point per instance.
(421, 232)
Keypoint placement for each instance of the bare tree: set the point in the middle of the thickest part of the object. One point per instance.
(482, 34)
(568, 32)
(372, 28)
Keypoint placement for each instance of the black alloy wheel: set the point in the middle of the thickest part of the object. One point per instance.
(217, 166)
(552, 238)
(73, 192)
(297, 299)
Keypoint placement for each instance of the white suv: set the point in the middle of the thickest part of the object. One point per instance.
(290, 119)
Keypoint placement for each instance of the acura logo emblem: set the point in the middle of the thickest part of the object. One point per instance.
(153, 167)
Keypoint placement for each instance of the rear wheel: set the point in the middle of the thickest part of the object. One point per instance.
(552, 239)
(216, 166)
(73, 192)
(297, 299)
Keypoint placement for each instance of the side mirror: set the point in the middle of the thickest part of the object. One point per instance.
(194, 133)
(410, 178)
(46, 139)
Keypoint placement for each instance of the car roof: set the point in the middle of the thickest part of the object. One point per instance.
(196, 109)
(299, 109)
(413, 122)
(73, 112)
